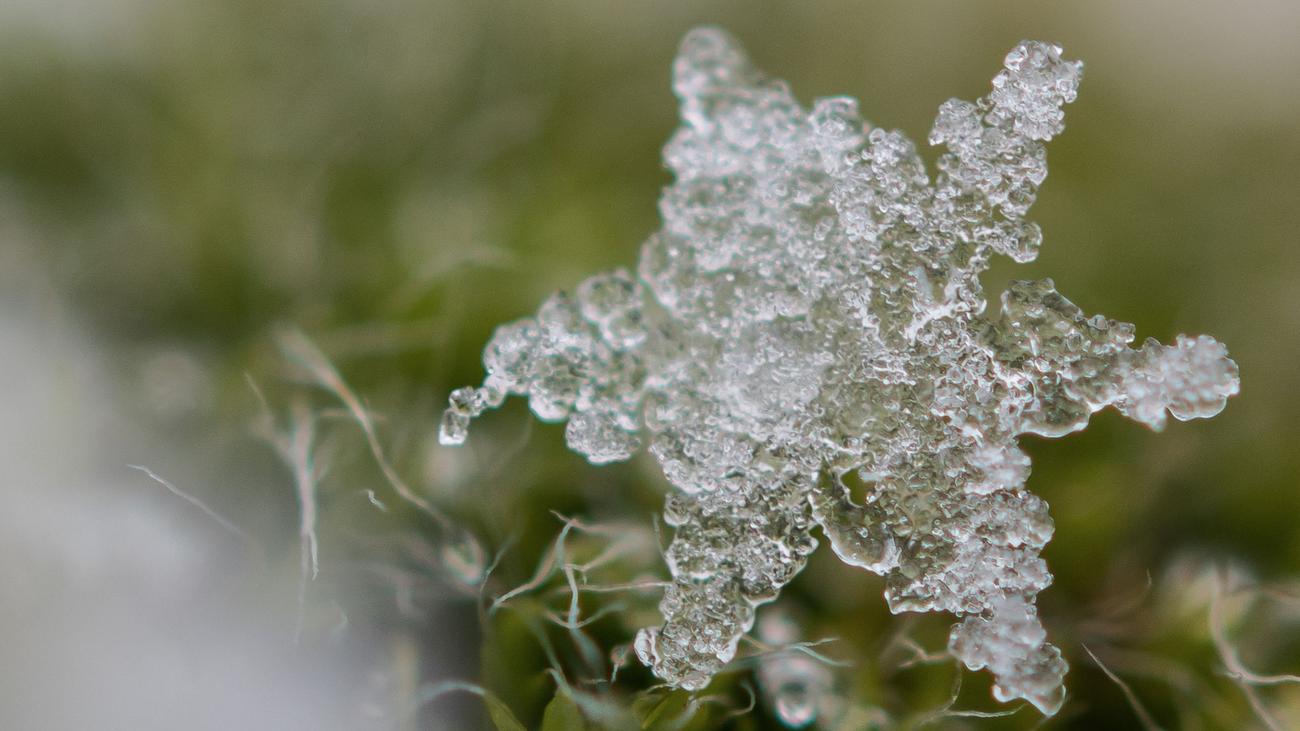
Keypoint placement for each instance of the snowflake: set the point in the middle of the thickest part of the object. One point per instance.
(812, 307)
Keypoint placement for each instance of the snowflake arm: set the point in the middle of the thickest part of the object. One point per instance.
(576, 361)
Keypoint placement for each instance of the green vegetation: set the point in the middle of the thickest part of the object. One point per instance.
(186, 182)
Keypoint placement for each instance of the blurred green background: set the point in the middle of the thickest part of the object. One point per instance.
(180, 180)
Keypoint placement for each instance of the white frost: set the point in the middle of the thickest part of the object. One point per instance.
(812, 306)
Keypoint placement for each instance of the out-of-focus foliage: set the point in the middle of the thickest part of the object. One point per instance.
(180, 181)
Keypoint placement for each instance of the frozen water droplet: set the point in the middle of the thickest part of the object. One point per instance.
(454, 428)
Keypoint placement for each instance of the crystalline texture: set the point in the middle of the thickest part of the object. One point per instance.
(811, 307)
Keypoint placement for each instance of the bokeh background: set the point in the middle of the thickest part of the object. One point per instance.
(222, 221)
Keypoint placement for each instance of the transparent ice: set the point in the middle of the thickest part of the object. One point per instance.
(812, 307)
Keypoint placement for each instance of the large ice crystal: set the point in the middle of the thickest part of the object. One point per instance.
(811, 307)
